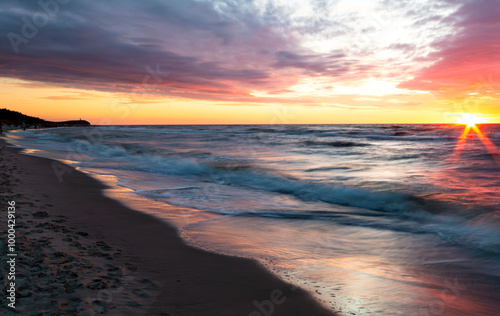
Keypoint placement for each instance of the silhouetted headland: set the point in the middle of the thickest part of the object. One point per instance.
(13, 118)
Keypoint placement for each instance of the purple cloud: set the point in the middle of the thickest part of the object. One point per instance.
(195, 49)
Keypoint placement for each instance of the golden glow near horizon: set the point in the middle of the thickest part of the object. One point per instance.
(470, 119)
(103, 108)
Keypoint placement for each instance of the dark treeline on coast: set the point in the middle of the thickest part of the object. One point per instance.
(13, 118)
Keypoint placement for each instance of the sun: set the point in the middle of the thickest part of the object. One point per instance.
(470, 119)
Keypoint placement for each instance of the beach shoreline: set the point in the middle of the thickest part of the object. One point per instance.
(82, 252)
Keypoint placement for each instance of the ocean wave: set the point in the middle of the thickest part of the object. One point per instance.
(401, 133)
(240, 172)
(334, 143)
(244, 174)
(480, 234)
(48, 136)
(329, 168)
(262, 129)
(158, 152)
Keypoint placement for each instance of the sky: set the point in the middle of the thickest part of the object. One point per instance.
(251, 62)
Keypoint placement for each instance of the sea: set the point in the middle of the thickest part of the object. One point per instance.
(371, 219)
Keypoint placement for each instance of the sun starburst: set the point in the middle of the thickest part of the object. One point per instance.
(470, 121)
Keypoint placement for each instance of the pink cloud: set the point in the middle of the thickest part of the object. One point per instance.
(470, 60)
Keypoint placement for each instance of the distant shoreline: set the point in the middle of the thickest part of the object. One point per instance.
(23, 121)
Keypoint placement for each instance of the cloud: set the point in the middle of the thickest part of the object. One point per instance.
(77, 96)
(228, 50)
(220, 50)
(314, 64)
(469, 61)
(161, 47)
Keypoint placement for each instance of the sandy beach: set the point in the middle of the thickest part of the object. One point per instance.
(79, 252)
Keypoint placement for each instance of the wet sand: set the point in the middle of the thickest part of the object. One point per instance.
(80, 252)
